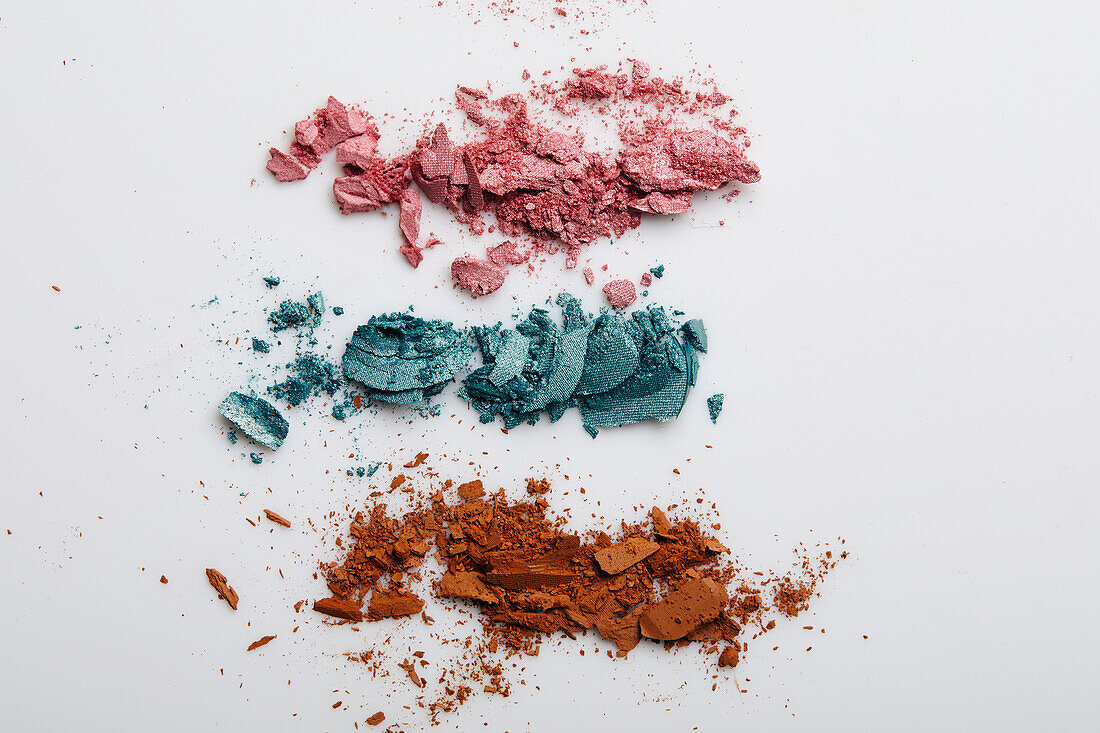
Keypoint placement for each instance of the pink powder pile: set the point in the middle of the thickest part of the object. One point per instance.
(538, 181)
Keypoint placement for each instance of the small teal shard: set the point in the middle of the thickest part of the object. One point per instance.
(373, 468)
(714, 405)
(658, 271)
(272, 281)
(337, 310)
(261, 346)
(696, 334)
(256, 458)
(256, 417)
(402, 359)
(510, 354)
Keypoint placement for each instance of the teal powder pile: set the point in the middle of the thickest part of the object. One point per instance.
(403, 359)
(309, 375)
(256, 417)
(296, 315)
(714, 405)
(261, 346)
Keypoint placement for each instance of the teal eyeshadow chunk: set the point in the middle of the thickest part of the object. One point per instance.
(696, 334)
(714, 405)
(256, 458)
(261, 346)
(337, 310)
(255, 417)
(658, 271)
(272, 281)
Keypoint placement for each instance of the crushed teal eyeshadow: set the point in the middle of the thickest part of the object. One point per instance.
(658, 271)
(256, 458)
(255, 417)
(310, 375)
(714, 405)
(294, 314)
(272, 281)
(260, 345)
(403, 359)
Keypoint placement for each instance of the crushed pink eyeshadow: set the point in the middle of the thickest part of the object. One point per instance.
(480, 277)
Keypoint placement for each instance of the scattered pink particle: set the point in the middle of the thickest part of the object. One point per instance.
(589, 276)
(620, 293)
(480, 277)
(647, 279)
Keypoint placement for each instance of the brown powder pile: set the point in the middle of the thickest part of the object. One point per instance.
(662, 580)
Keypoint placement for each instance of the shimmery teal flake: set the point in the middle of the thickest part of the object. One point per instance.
(256, 417)
(261, 346)
(658, 271)
(696, 334)
(272, 281)
(714, 405)
(256, 458)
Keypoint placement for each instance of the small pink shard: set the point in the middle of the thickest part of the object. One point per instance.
(410, 215)
(474, 193)
(439, 160)
(663, 203)
(506, 254)
(432, 242)
(412, 253)
(345, 120)
(478, 276)
(647, 279)
(589, 276)
(640, 70)
(620, 293)
(285, 167)
(359, 194)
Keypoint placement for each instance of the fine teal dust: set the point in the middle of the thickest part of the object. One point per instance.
(298, 316)
(714, 406)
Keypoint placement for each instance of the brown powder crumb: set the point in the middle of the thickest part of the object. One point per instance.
(410, 670)
(471, 490)
(397, 480)
(260, 642)
(420, 458)
(281, 521)
(392, 604)
(221, 585)
(730, 656)
(164, 580)
(376, 718)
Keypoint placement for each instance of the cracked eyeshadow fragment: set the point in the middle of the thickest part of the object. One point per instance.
(403, 359)
(255, 417)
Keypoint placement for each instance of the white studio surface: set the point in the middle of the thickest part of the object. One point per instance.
(903, 316)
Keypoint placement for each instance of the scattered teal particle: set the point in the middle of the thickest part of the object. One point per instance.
(256, 458)
(658, 271)
(272, 281)
(260, 345)
(337, 310)
(339, 412)
(714, 405)
(294, 314)
(373, 468)
(360, 472)
(310, 375)
(233, 436)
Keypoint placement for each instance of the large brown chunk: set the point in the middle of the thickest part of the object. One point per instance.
(339, 608)
(459, 584)
(683, 610)
(393, 603)
(618, 558)
(623, 632)
(220, 584)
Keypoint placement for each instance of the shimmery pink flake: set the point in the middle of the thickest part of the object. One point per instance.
(285, 167)
(409, 219)
(620, 293)
(647, 279)
(506, 254)
(589, 276)
(412, 253)
(360, 152)
(478, 276)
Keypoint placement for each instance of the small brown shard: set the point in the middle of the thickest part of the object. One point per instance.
(471, 490)
(683, 610)
(729, 656)
(339, 608)
(376, 718)
(661, 526)
(220, 584)
(281, 521)
(714, 545)
(539, 487)
(393, 604)
(164, 580)
(420, 458)
(410, 669)
(617, 558)
(459, 584)
(260, 642)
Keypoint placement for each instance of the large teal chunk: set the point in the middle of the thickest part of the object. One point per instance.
(611, 357)
(401, 358)
(256, 417)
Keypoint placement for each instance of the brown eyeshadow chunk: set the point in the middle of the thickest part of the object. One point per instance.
(376, 718)
(260, 642)
(471, 490)
(220, 584)
(339, 608)
(618, 558)
(393, 603)
(272, 516)
(683, 610)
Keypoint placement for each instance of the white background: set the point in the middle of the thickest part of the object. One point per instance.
(903, 316)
